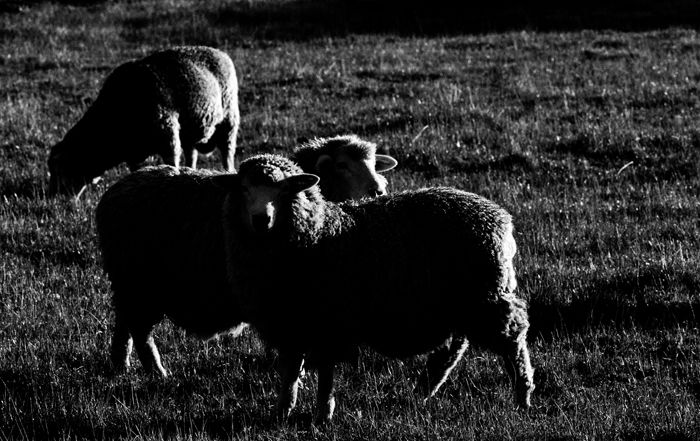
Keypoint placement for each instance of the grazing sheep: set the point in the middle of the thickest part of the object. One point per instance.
(174, 102)
(348, 166)
(160, 232)
(405, 274)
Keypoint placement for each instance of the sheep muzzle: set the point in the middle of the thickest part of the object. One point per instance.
(261, 223)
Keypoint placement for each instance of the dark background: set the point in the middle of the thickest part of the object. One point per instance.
(311, 18)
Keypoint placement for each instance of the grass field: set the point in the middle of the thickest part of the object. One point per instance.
(591, 139)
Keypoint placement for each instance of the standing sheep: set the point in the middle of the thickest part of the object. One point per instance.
(348, 166)
(404, 274)
(174, 102)
(161, 237)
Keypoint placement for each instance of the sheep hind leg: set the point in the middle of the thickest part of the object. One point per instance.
(291, 366)
(512, 346)
(516, 358)
(224, 139)
(439, 365)
(147, 350)
(325, 401)
(169, 138)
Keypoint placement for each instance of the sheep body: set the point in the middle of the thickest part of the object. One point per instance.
(402, 274)
(161, 237)
(171, 103)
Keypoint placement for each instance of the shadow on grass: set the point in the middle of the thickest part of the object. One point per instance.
(308, 18)
(619, 302)
(88, 403)
(665, 435)
(46, 251)
(31, 187)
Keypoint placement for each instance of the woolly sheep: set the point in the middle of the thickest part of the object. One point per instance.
(161, 238)
(405, 274)
(171, 103)
(348, 166)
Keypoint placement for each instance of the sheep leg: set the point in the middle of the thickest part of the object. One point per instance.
(291, 367)
(512, 345)
(190, 155)
(325, 399)
(147, 350)
(516, 357)
(135, 165)
(122, 344)
(439, 365)
(170, 130)
(225, 139)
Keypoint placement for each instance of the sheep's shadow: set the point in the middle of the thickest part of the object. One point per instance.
(29, 187)
(39, 255)
(619, 302)
(111, 398)
(17, 6)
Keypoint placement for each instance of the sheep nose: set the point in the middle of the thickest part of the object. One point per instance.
(261, 222)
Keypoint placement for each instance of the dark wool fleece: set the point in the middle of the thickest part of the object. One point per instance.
(161, 237)
(399, 273)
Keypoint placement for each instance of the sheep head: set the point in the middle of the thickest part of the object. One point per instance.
(66, 174)
(348, 166)
(268, 183)
(346, 177)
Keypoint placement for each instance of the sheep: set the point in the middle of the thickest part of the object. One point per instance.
(348, 166)
(404, 274)
(171, 103)
(160, 235)
(161, 239)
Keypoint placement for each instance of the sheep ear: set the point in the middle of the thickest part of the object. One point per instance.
(385, 163)
(299, 183)
(322, 162)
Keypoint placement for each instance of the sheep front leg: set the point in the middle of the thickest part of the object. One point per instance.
(439, 365)
(325, 400)
(291, 366)
(122, 344)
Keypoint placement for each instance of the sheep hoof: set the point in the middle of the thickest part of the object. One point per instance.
(283, 415)
(322, 420)
(117, 371)
(522, 398)
(325, 413)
